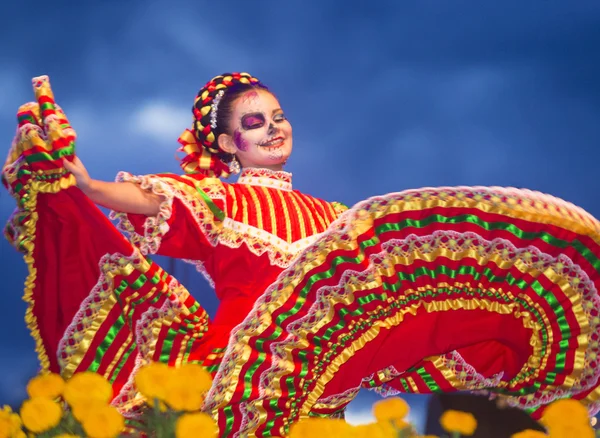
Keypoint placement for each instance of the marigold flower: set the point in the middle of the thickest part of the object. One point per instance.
(529, 433)
(183, 397)
(565, 412)
(196, 425)
(85, 386)
(195, 375)
(326, 427)
(393, 409)
(375, 430)
(84, 406)
(153, 379)
(103, 421)
(40, 414)
(571, 430)
(67, 435)
(457, 421)
(46, 386)
(10, 423)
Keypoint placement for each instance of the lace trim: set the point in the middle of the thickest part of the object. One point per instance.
(128, 398)
(267, 178)
(281, 253)
(337, 401)
(229, 232)
(525, 199)
(156, 227)
(91, 307)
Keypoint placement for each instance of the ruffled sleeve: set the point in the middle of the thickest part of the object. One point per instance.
(189, 220)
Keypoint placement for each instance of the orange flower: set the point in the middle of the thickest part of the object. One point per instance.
(565, 412)
(46, 386)
(102, 421)
(460, 422)
(195, 425)
(86, 386)
(40, 414)
(376, 430)
(393, 409)
(153, 379)
(10, 423)
(321, 427)
(529, 433)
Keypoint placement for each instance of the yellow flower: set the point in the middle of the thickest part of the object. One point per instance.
(152, 380)
(393, 409)
(103, 421)
(40, 414)
(86, 386)
(529, 433)
(570, 431)
(46, 386)
(325, 427)
(10, 423)
(67, 435)
(457, 421)
(181, 396)
(376, 430)
(84, 406)
(195, 425)
(565, 412)
(195, 376)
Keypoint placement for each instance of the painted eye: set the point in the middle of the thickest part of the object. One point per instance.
(279, 117)
(253, 121)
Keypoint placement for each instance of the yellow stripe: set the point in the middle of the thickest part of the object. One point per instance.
(298, 215)
(317, 214)
(302, 205)
(244, 209)
(286, 214)
(231, 193)
(267, 194)
(256, 202)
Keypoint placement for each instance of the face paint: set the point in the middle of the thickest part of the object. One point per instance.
(250, 98)
(253, 121)
(239, 141)
(261, 133)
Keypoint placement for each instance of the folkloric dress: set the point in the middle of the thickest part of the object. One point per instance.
(430, 290)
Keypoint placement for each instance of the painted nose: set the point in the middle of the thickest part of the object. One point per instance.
(272, 129)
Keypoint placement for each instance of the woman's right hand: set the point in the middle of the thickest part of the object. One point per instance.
(82, 177)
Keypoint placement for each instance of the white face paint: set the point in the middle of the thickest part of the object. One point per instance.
(261, 132)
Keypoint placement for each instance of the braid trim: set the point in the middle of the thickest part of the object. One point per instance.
(199, 144)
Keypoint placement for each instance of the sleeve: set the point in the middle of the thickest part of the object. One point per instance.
(339, 208)
(189, 220)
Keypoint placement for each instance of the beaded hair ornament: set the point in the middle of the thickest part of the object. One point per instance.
(202, 153)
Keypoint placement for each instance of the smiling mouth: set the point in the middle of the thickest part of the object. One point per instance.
(273, 143)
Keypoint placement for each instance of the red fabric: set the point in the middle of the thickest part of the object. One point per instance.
(67, 251)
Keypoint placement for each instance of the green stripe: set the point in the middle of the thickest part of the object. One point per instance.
(216, 211)
(54, 155)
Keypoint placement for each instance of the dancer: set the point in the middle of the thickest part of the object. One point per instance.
(431, 290)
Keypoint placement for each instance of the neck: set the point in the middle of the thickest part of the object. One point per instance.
(274, 168)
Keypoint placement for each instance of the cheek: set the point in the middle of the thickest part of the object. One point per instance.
(239, 141)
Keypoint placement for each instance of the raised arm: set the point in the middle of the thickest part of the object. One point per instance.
(124, 197)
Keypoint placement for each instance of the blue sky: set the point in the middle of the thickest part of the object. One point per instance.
(383, 96)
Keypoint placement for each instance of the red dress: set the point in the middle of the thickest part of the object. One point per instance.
(429, 290)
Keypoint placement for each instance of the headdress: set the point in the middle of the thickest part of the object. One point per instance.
(200, 143)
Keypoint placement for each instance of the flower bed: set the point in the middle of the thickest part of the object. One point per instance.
(80, 408)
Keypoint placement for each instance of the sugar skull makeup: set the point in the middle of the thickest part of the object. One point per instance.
(261, 133)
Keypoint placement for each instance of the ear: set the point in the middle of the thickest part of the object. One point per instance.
(226, 143)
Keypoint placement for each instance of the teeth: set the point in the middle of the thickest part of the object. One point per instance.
(273, 142)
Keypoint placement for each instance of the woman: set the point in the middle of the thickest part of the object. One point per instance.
(432, 290)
